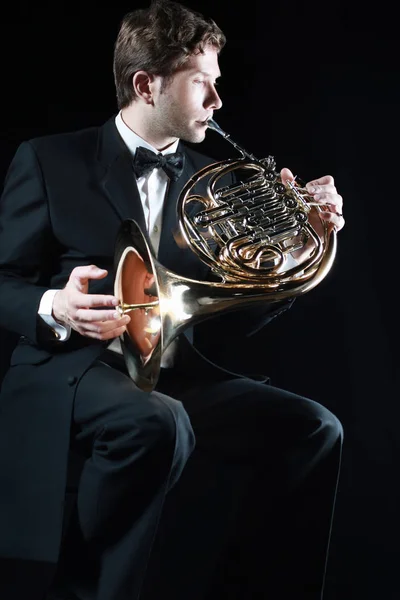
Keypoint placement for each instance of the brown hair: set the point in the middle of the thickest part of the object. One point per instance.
(159, 40)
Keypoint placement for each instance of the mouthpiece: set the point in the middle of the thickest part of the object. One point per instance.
(215, 127)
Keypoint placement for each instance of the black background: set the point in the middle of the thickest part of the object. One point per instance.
(317, 86)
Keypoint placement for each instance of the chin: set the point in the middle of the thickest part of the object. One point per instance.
(194, 134)
(199, 138)
(195, 137)
(192, 138)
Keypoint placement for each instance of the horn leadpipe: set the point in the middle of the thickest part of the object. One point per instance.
(215, 127)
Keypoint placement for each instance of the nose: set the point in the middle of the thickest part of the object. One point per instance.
(213, 101)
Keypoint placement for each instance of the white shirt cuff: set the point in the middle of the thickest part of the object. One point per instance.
(45, 311)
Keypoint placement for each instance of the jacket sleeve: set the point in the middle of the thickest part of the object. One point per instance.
(26, 244)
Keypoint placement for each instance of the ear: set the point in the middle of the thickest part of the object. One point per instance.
(143, 83)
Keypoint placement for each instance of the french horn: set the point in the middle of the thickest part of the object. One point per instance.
(248, 227)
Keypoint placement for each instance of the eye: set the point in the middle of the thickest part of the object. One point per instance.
(199, 81)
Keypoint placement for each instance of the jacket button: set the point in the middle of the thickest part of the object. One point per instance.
(72, 380)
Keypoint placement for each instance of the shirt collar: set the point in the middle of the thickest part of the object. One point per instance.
(132, 140)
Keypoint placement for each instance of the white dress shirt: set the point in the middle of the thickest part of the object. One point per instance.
(153, 186)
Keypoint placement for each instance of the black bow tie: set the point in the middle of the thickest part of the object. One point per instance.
(146, 160)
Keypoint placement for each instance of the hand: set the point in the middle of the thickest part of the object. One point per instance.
(324, 192)
(73, 306)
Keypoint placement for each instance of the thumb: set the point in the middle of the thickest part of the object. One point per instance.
(286, 175)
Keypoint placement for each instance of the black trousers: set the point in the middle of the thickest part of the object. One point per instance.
(227, 490)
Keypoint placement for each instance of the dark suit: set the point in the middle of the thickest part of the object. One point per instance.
(64, 200)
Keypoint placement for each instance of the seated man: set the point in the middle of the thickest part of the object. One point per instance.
(212, 484)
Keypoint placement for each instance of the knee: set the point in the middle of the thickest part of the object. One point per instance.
(331, 426)
(175, 421)
(152, 427)
(161, 423)
(184, 435)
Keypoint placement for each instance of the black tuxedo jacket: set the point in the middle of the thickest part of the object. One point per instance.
(64, 199)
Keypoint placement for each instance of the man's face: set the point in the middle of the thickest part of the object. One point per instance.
(189, 98)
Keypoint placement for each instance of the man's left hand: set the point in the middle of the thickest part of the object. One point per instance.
(323, 192)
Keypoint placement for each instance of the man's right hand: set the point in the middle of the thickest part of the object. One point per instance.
(73, 306)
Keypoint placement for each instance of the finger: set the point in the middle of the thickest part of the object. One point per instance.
(102, 328)
(86, 315)
(335, 201)
(286, 175)
(321, 189)
(114, 333)
(336, 220)
(80, 276)
(109, 335)
(105, 327)
(321, 181)
(87, 301)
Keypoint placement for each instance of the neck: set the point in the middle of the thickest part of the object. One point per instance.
(140, 123)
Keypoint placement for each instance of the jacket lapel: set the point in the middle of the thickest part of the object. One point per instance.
(117, 178)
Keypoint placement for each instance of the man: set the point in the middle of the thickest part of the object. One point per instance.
(211, 484)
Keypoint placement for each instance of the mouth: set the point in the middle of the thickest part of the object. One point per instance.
(204, 123)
